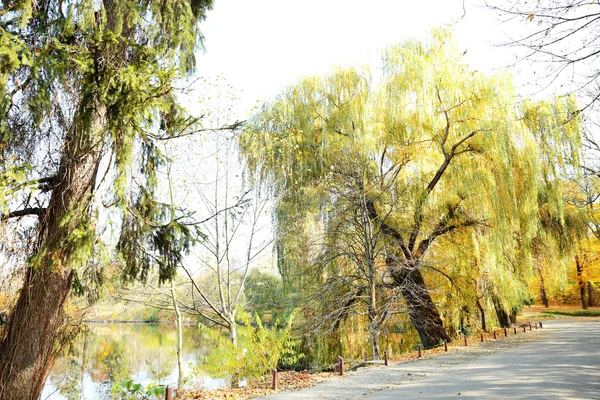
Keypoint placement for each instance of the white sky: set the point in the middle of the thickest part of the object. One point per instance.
(261, 46)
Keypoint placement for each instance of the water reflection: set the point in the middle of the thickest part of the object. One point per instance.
(116, 352)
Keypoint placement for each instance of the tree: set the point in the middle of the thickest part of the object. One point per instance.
(563, 36)
(352, 252)
(234, 237)
(87, 88)
(436, 132)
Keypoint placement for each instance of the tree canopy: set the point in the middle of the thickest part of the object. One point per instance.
(445, 151)
(87, 89)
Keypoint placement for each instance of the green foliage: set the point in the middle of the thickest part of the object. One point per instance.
(542, 315)
(266, 296)
(456, 170)
(153, 317)
(84, 85)
(152, 236)
(259, 350)
(574, 313)
(133, 391)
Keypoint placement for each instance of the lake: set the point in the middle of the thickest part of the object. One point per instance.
(112, 353)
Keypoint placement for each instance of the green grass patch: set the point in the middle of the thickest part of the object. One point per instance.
(540, 316)
(574, 313)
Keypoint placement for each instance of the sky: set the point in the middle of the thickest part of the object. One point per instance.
(259, 47)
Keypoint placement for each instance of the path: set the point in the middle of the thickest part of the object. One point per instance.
(563, 363)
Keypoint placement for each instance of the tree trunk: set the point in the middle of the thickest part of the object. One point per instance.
(37, 326)
(235, 378)
(375, 328)
(590, 291)
(421, 309)
(580, 282)
(179, 337)
(406, 275)
(478, 303)
(543, 294)
(503, 317)
(482, 314)
(233, 333)
(375, 338)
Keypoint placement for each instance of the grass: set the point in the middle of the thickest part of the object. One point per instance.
(541, 315)
(574, 313)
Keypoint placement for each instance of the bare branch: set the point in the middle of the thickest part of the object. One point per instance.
(37, 211)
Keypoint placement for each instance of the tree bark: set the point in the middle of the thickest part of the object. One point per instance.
(482, 314)
(580, 282)
(543, 294)
(376, 347)
(404, 270)
(590, 292)
(421, 309)
(179, 337)
(503, 317)
(374, 326)
(37, 326)
(233, 333)
(479, 305)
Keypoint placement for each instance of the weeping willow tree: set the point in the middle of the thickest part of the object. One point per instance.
(557, 127)
(86, 90)
(450, 151)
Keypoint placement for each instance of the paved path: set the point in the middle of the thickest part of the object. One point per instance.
(563, 363)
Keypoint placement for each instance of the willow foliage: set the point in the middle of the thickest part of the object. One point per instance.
(448, 152)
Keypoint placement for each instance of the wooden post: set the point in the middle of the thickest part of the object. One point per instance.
(445, 345)
(482, 338)
(515, 330)
(365, 356)
(505, 333)
(419, 350)
(541, 324)
(274, 378)
(465, 340)
(341, 361)
(385, 358)
(530, 326)
(168, 393)
(524, 328)
(495, 335)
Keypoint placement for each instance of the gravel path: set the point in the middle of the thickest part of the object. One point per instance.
(370, 381)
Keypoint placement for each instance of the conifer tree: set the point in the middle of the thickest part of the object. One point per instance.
(87, 88)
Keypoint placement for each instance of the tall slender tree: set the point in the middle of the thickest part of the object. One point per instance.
(86, 88)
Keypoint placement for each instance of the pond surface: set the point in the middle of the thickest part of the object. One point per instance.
(110, 353)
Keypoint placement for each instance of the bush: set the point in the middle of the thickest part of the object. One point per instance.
(260, 349)
(127, 390)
